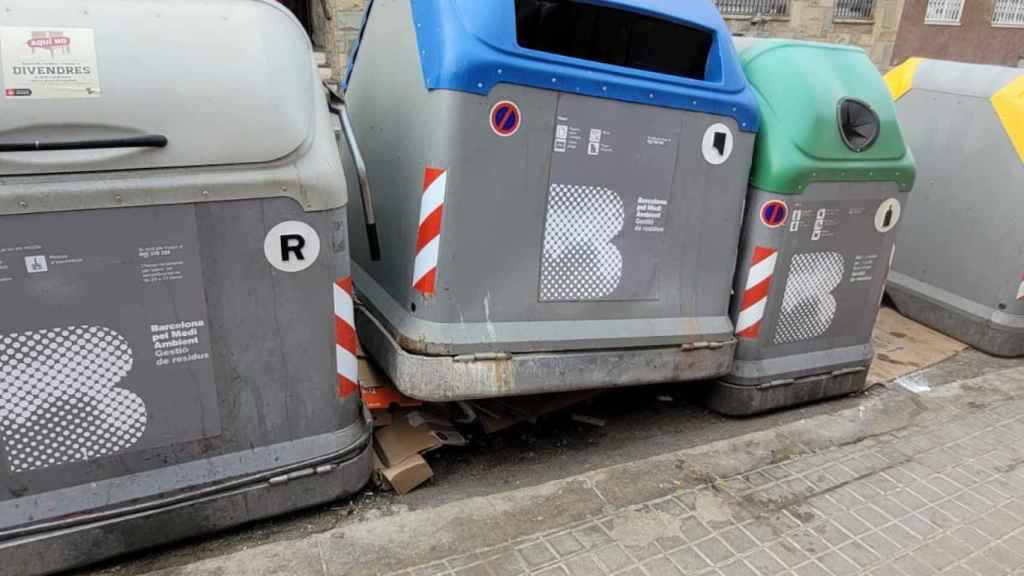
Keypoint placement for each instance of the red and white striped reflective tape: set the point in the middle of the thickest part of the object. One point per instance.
(1020, 291)
(428, 241)
(755, 296)
(345, 338)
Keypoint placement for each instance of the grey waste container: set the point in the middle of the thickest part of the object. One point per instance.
(831, 175)
(558, 204)
(960, 263)
(172, 248)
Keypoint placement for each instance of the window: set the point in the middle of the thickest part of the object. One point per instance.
(613, 36)
(854, 9)
(944, 11)
(1008, 13)
(769, 8)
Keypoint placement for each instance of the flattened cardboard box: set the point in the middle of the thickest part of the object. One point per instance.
(408, 474)
(413, 433)
(381, 418)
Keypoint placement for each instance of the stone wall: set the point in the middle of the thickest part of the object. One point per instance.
(334, 36)
(814, 20)
(808, 19)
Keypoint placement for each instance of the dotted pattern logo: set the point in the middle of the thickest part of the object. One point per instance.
(579, 262)
(808, 306)
(59, 401)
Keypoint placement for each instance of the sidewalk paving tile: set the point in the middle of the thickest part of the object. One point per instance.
(431, 570)
(880, 545)
(583, 566)
(690, 560)
(1005, 557)
(738, 540)
(837, 564)
(981, 564)
(554, 571)
(661, 566)
(537, 554)
(670, 542)
(913, 565)
(859, 554)
(764, 563)
(565, 544)
(944, 495)
(812, 569)
(693, 529)
(474, 570)
(614, 558)
(507, 564)
(788, 553)
(738, 568)
(714, 549)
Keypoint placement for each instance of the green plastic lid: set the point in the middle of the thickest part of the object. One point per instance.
(827, 116)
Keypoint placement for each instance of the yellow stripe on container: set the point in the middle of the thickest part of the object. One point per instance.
(901, 78)
(1009, 105)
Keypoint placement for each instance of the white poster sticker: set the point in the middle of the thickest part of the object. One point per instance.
(49, 62)
(717, 144)
(292, 246)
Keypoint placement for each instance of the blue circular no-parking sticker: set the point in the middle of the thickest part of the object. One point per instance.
(774, 213)
(506, 118)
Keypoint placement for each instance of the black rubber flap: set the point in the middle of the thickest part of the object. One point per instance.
(858, 124)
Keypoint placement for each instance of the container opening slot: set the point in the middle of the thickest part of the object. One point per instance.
(613, 36)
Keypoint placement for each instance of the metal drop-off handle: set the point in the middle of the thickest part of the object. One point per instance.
(149, 141)
(337, 105)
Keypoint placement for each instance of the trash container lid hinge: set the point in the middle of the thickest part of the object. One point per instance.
(832, 374)
(304, 473)
(692, 346)
(483, 357)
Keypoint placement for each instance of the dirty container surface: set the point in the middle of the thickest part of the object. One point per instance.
(828, 188)
(558, 210)
(172, 251)
(960, 263)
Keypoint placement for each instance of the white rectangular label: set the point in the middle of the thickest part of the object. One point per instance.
(49, 62)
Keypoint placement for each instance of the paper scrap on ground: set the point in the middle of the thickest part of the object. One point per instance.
(903, 346)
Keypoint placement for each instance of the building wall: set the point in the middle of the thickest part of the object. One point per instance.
(974, 40)
(814, 20)
(808, 19)
(334, 36)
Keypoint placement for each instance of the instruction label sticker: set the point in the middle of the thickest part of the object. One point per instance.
(609, 215)
(105, 345)
(49, 62)
(831, 270)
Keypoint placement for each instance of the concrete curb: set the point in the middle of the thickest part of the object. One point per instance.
(417, 538)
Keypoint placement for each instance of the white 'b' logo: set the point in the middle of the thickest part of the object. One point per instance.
(808, 305)
(579, 261)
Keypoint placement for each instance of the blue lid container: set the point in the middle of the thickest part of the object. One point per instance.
(668, 53)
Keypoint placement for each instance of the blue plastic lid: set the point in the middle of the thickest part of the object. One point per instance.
(471, 45)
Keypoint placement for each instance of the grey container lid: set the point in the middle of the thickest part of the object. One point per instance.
(973, 80)
(227, 82)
